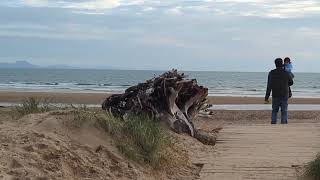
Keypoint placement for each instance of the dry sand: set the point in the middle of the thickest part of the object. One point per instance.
(47, 146)
(97, 98)
(43, 146)
(40, 147)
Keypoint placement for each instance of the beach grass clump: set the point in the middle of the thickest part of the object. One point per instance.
(312, 171)
(110, 124)
(147, 139)
(80, 115)
(32, 105)
(138, 137)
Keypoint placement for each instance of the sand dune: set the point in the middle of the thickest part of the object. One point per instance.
(41, 147)
(47, 146)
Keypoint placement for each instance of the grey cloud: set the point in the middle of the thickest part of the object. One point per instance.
(270, 8)
(208, 35)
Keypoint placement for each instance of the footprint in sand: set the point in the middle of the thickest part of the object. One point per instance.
(28, 148)
(15, 164)
(42, 146)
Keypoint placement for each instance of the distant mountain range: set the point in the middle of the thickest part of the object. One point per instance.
(18, 64)
(27, 65)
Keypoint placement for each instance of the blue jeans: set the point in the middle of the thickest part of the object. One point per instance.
(278, 103)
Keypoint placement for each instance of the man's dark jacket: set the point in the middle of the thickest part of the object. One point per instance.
(279, 81)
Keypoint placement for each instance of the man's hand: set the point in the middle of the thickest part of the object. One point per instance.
(266, 101)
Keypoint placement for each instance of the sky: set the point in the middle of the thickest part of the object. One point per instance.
(212, 35)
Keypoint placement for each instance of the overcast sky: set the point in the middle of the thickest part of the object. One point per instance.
(224, 35)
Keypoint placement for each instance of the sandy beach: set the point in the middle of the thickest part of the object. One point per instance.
(44, 146)
(97, 98)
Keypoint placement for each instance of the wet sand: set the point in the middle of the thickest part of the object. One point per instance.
(97, 98)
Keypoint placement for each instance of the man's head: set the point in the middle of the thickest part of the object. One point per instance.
(287, 60)
(278, 62)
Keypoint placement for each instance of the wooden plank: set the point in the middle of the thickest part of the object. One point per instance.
(261, 152)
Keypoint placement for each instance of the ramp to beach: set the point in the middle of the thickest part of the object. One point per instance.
(262, 152)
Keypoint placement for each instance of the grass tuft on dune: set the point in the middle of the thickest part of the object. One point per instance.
(312, 170)
(138, 137)
(32, 105)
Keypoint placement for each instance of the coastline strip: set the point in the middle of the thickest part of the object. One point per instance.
(97, 98)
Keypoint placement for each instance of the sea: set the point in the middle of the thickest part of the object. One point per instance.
(242, 84)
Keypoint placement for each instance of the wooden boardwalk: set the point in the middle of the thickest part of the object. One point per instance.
(262, 152)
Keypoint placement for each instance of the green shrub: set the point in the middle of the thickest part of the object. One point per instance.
(79, 117)
(110, 124)
(138, 137)
(147, 136)
(32, 105)
(312, 170)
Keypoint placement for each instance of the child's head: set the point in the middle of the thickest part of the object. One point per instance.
(287, 60)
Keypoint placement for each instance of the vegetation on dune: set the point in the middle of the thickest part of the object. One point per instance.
(80, 115)
(32, 105)
(312, 171)
(138, 137)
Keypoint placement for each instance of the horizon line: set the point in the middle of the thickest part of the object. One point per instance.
(128, 69)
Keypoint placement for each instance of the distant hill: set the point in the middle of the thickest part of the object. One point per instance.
(18, 64)
(27, 65)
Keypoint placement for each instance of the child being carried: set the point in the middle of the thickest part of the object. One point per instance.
(288, 67)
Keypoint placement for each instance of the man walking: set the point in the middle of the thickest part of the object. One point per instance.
(279, 82)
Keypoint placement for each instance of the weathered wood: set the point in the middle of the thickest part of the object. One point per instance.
(261, 151)
(170, 97)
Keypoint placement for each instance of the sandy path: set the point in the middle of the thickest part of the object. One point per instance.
(262, 151)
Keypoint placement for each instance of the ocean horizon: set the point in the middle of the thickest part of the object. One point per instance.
(239, 84)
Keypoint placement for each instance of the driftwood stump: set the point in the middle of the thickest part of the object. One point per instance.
(170, 97)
